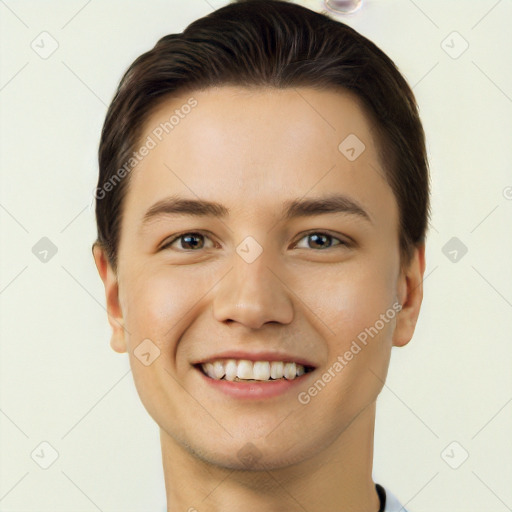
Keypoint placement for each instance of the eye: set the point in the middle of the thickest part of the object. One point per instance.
(195, 240)
(188, 239)
(321, 240)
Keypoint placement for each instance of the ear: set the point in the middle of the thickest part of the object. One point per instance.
(115, 314)
(410, 295)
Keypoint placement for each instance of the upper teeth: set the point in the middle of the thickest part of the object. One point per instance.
(257, 370)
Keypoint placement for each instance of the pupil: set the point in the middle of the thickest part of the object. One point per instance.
(316, 237)
(186, 240)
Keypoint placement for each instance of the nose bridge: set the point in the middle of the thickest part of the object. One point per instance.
(251, 293)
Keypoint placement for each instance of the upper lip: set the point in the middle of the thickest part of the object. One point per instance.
(257, 356)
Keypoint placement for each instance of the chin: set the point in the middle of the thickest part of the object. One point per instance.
(256, 455)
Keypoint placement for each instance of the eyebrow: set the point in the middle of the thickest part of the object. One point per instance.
(332, 204)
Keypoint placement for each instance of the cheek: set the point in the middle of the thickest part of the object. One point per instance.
(357, 295)
(156, 305)
(358, 308)
(352, 306)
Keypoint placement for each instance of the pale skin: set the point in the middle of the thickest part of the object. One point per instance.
(252, 150)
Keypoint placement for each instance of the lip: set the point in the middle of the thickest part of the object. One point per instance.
(257, 356)
(253, 390)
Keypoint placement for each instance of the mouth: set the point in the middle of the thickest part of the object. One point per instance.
(246, 371)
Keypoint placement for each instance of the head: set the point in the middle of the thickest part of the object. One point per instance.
(261, 106)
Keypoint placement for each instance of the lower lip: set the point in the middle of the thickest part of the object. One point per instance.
(255, 390)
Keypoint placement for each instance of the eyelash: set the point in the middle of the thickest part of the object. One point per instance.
(167, 244)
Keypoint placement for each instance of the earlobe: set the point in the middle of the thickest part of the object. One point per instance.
(410, 294)
(114, 310)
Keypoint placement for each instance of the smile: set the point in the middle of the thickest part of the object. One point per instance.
(252, 371)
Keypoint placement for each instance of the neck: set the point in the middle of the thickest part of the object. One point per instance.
(338, 478)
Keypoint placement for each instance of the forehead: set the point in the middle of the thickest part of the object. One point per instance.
(251, 148)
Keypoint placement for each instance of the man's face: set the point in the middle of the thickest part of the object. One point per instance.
(319, 281)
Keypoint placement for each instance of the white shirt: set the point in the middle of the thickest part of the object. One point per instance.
(392, 503)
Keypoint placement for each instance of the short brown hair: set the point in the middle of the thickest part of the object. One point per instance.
(269, 43)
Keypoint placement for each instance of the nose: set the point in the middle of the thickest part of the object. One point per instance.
(253, 294)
